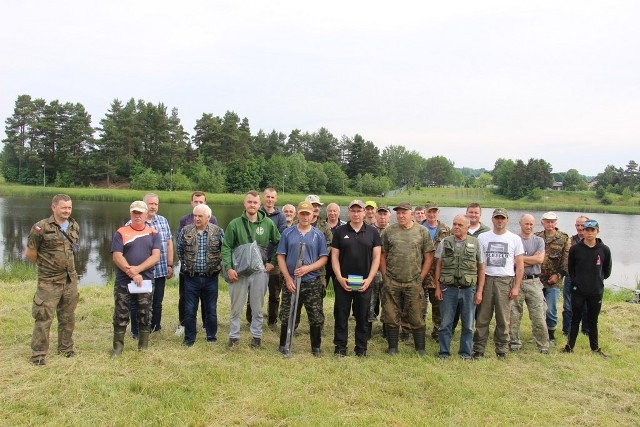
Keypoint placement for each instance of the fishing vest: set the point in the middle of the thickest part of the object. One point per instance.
(459, 264)
(190, 249)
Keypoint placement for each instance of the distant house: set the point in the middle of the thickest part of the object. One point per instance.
(557, 186)
(593, 183)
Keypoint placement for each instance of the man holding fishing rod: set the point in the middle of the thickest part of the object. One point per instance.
(303, 278)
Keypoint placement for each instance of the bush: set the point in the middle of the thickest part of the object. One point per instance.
(606, 200)
(145, 180)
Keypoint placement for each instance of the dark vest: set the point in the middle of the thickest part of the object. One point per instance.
(459, 264)
(190, 249)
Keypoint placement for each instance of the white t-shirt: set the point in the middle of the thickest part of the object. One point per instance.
(500, 251)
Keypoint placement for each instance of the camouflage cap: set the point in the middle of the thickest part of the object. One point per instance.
(500, 212)
(383, 208)
(404, 206)
(312, 198)
(138, 206)
(356, 203)
(370, 203)
(550, 215)
(305, 207)
(431, 205)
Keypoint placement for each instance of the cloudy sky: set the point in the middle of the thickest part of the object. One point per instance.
(470, 80)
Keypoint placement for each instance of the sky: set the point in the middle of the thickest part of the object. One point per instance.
(473, 81)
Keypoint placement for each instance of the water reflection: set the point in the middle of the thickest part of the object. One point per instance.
(99, 220)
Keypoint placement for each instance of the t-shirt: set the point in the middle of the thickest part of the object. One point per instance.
(356, 248)
(136, 246)
(500, 251)
(315, 247)
(531, 246)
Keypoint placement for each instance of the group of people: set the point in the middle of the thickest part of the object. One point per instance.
(468, 273)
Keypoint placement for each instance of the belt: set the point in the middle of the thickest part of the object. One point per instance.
(196, 274)
(458, 286)
(530, 276)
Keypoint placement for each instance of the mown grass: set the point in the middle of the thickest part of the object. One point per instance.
(211, 385)
(581, 201)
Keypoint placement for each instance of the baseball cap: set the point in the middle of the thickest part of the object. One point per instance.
(383, 208)
(138, 206)
(591, 223)
(356, 203)
(305, 207)
(430, 205)
(550, 215)
(500, 212)
(403, 205)
(312, 198)
(370, 203)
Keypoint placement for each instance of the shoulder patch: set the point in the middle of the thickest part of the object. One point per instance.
(37, 227)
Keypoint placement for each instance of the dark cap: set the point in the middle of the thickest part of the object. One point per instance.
(500, 212)
(356, 203)
(430, 205)
(403, 205)
(383, 208)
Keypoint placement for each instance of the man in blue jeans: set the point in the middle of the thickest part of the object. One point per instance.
(554, 267)
(459, 280)
(198, 246)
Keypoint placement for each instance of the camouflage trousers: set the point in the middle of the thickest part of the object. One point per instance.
(311, 296)
(403, 304)
(374, 307)
(531, 293)
(429, 286)
(122, 300)
(61, 298)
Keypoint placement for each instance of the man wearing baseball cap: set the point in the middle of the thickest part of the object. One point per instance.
(370, 212)
(504, 255)
(556, 255)
(136, 250)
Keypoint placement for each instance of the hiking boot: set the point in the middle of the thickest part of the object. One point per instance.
(38, 362)
(340, 352)
(600, 353)
(233, 342)
(476, 355)
(515, 347)
(256, 343)
(543, 351)
(69, 353)
(501, 356)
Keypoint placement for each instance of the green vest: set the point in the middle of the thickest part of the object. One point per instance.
(190, 249)
(459, 264)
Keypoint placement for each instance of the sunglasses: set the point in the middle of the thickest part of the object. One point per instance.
(592, 223)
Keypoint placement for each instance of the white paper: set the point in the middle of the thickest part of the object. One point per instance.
(144, 289)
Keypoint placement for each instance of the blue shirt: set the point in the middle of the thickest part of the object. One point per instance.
(315, 247)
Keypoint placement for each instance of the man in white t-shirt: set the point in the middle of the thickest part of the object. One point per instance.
(504, 269)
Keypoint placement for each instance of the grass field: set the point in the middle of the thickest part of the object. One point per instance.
(211, 385)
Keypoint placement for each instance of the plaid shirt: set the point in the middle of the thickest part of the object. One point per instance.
(201, 256)
(161, 224)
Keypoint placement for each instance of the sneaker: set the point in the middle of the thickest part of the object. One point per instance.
(233, 342)
(476, 355)
(543, 351)
(179, 330)
(515, 347)
(444, 356)
(38, 362)
(567, 349)
(600, 353)
(255, 343)
(501, 356)
(466, 358)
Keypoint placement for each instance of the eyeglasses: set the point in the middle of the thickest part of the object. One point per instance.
(592, 223)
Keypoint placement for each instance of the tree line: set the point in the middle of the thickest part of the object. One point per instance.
(145, 146)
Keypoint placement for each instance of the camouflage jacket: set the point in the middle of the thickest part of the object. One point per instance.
(441, 232)
(323, 226)
(556, 256)
(55, 252)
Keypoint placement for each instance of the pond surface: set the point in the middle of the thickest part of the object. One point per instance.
(99, 220)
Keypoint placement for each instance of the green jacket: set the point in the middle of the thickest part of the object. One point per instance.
(263, 231)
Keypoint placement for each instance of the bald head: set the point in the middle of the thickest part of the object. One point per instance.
(460, 226)
(527, 222)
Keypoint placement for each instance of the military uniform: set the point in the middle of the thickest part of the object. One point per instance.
(556, 258)
(57, 285)
(429, 283)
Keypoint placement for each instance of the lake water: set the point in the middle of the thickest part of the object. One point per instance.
(99, 220)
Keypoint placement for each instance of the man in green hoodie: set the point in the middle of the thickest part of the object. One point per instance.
(251, 225)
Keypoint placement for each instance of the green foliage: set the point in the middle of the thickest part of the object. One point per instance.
(606, 200)
(515, 179)
(600, 192)
(146, 180)
(317, 178)
(372, 186)
(573, 181)
(439, 171)
(337, 179)
(535, 194)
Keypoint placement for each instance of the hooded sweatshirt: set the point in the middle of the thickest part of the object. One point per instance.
(589, 267)
(263, 231)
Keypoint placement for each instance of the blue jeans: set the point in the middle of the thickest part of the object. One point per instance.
(452, 298)
(196, 288)
(567, 311)
(551, 296)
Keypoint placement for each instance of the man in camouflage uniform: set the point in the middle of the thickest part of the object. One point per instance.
(383, 217)
(437, 231)
(407, 255)
(136, 250)
(556, 257)
(51, 244)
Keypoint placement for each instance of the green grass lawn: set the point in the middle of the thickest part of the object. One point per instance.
(211, 385)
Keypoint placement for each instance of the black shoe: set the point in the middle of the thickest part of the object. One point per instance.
(567, 349)
(361, 354)
(443, 356)
(316, 352)
(340, 352)
(282, 350)
(233, 342)
(188, 344)
(477, 355)
(39, 361)
(392, 351)
(600, 353)
(256, 342)
(501, 356)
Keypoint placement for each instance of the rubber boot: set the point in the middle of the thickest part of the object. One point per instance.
(419, 342)
(143, 338)
(283, 339)
(118, 340)
(392, 340)
(315, 333)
